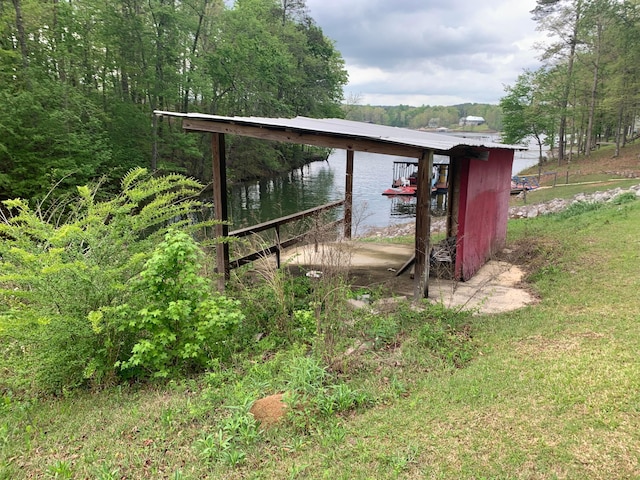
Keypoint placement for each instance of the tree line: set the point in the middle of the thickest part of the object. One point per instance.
(588, 89)
(425, 116)
(79, 81)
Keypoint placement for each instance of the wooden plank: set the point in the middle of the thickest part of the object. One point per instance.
(238, 262)
(423, 225)
(407, 264)
(260, 227)
(220, 207)
(348, 196)
(275, 248)
(304, 138)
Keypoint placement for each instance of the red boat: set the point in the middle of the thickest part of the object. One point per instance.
(405, 181)
(402, 190)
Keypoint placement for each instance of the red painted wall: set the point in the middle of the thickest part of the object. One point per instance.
(485, 187)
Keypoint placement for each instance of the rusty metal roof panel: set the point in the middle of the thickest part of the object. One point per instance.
(346, 128)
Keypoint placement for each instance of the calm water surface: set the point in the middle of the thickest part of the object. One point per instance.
(323, 182)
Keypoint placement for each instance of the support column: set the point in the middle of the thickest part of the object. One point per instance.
(423, 225)
(453, 197)
(348, 196)
(220, 207)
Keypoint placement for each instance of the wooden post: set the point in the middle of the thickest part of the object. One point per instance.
(278, 248)
(423, 225)
(453, 197)
(348, 196)
(220, 207)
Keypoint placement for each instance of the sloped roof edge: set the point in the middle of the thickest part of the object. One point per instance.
(339, 128)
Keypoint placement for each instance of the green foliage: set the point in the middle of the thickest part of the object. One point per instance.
(305, 374)
(438, 332)
(229, 442)
(526, 112)
(50, 136)
(66, 274)
(578, 208)
(277, 306)
(383, 331)
(449, 343)
(60, 469)
(182, 325)
(623, 198)
(78, 96)
(429, 116)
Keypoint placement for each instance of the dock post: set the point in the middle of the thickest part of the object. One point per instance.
(423, 225)
(348, 196)
(220, 207)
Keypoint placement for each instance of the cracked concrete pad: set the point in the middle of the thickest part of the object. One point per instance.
(495, 288)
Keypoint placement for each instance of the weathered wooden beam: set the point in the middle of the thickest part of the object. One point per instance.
(423, 225)
(348, 196)
(275, 249)
(220, 207)
(304, 138)
(260, 227)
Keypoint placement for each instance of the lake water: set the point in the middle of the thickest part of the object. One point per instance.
(322, 182)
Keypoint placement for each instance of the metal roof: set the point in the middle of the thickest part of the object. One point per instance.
(338, 129)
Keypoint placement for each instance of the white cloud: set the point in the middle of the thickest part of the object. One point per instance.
(419, 52)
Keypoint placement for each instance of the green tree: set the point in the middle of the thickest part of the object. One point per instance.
(98, 68)
(526, 113)
(562, 19)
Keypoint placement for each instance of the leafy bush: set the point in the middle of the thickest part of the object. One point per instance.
(182, 325)
(62, 269)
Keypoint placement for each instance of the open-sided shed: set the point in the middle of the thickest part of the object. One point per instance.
(479, 178)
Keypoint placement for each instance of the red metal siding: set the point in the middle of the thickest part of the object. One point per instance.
(484, 210)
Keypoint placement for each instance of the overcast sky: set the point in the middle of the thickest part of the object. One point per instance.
(430, 52)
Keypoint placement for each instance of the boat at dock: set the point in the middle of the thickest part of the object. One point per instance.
(522, 183)
(405, 179)
(408, 190)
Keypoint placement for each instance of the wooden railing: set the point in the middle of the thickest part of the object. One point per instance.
(279, 245)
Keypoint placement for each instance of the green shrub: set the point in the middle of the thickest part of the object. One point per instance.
(182, 324)
(65, 274)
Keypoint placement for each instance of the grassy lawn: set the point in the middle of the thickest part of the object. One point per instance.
(553, 393)
(547, 193)
(549, 391)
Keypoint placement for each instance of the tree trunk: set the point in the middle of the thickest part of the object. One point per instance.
(573, 41)
(594, 94)
(619, 128)
(22, 38)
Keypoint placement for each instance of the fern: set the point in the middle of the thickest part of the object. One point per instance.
(54, 276)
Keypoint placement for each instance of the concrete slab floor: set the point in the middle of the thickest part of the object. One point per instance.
(496, 287)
